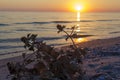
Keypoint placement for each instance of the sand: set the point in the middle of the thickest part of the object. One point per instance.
(100, 59)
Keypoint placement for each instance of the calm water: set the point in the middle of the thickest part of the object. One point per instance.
(14, 25)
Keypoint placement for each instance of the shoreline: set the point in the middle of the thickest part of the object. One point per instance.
(97, 43)
(101, 42)
(94, 44)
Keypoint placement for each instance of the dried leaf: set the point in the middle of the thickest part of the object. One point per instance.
(60, 27)
(31, 48)
(29, 35)
(67, 38)
(58, 31)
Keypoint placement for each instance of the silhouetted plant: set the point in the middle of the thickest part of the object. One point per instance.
(61, 28)
(49, 63)
(29, 41)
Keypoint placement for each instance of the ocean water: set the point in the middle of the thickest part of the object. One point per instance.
(14, 25)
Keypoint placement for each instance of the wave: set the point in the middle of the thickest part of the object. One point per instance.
(9, 40)
(81, 32)
(1, 24)
(9, 47)
(41, 29)
(63, 21)
(5, 32)
(54, 22)
(72, 21)
(114, 32)
(13, 52)
(87, 21)
(81, 36)
(50, 38)
(45, 22)
(25, 30)
(49, 22)
(33, 23)
(18, 39)
(109, 20)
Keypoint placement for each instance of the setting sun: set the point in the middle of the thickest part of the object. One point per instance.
(78, 7)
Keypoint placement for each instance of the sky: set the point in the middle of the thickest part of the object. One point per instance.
(60, 5)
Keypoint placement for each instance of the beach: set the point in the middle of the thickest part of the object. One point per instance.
(103, 59)
(59, 40)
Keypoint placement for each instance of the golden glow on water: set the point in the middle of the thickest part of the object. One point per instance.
(79, 8)
(78, 16)
(78, 29)
(80, 40)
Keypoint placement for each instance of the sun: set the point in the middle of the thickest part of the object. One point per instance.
(78, 7)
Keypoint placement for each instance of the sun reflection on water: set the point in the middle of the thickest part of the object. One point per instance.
(80, 40)
(78, 30)
(78, 16)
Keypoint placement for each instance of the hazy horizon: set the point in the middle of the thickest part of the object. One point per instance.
(58, 11)
(60, 5)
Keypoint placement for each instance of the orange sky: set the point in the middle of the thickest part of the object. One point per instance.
(60, 5)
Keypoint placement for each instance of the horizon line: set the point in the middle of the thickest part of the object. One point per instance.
(54, 11)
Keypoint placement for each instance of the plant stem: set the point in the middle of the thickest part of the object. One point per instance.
(75, 47)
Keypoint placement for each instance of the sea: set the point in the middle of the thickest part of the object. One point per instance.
(14, 25)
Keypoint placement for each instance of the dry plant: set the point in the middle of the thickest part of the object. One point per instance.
(47, 62)
(73, 34)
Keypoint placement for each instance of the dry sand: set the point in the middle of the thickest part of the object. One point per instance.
(92, 64)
